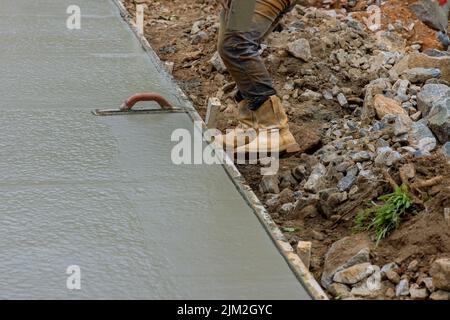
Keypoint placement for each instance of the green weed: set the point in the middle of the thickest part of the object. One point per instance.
(384, 219)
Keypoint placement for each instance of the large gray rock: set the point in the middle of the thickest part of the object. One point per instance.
(421, 60)
(354, 274)
(300, 49)
(440, 271)
(421, 137)
(315, 180)
(387, 157)
(429, 94)
(430, 13)
(439, 119)
(347, 252)
(420, 75)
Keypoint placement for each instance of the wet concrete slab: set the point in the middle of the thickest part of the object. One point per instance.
(102, 192)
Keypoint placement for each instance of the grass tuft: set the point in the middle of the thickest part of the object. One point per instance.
(384, 219)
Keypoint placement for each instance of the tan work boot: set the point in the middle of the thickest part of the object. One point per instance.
(273, 130)
(244, 132)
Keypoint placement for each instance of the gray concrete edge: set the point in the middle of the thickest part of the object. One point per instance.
(293, 260)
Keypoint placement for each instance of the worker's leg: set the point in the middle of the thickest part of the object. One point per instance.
(239, 49)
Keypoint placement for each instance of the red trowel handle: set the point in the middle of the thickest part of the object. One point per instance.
(148, 96)
(443, 2)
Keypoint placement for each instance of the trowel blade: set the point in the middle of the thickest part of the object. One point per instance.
(118, 112)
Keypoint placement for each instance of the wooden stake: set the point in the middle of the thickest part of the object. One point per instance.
(212, 111)
(140, 18)
(304, 252)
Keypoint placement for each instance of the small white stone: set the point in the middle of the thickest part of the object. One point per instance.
(402, 289)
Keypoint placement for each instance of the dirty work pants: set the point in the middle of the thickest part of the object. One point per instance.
(239, 46)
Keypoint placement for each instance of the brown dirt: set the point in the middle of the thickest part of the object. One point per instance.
(421, 33)
(424, 236)
(397, 10)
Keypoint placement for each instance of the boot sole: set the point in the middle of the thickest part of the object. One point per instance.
(292, 148)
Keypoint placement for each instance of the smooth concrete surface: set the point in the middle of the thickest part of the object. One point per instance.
(101, 192)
